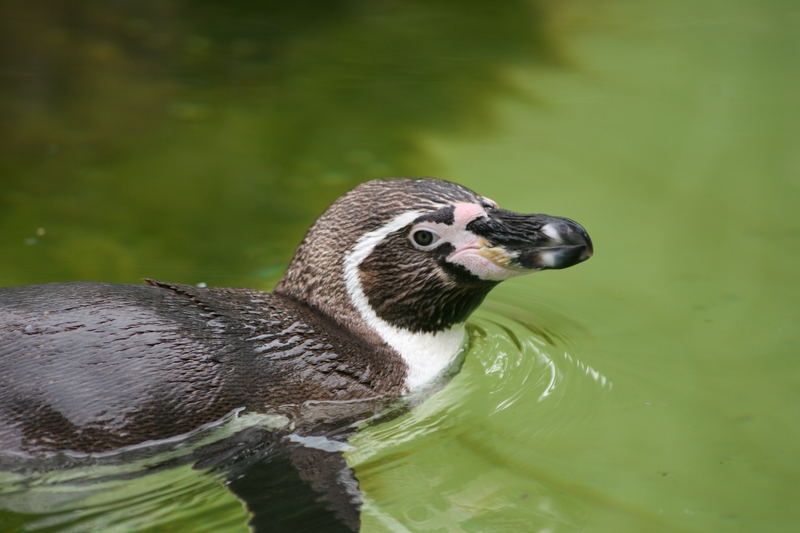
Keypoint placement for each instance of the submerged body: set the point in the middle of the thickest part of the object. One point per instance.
(371, 307)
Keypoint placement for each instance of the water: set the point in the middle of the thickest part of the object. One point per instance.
(654, 388)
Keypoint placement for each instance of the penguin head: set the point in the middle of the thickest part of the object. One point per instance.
(421, 254)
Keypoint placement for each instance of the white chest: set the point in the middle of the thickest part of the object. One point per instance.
(427, 355)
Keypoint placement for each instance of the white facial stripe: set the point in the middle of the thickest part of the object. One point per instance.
(426, 355)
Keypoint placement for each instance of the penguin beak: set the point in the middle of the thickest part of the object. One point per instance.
(531, 242)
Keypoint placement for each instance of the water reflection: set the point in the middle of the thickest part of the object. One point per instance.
(163, 500)
(239, 472)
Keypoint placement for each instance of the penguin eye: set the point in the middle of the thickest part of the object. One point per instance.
(423, 238)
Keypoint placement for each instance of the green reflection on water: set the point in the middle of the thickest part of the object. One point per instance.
(196, 143)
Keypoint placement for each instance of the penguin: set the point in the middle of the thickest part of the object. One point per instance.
(371, 309)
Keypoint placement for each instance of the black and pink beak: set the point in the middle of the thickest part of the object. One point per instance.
(533, 242)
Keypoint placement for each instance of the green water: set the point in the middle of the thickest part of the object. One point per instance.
(653, 388)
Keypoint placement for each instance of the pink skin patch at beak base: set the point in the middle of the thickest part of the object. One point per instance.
(464, 213)
(474, 252)
(471, 251)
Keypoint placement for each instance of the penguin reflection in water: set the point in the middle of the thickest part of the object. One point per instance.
(371, 308)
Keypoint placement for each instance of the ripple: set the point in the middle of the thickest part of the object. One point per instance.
(472, 452)
(520, 362)
(510, 367)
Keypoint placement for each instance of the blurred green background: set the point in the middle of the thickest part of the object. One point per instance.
(181, 138)
(195, 141)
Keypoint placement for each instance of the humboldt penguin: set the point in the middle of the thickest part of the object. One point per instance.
(372, 306)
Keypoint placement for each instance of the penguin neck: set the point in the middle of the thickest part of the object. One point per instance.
(340, 295)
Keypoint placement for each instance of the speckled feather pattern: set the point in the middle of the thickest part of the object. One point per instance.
(142, 362)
